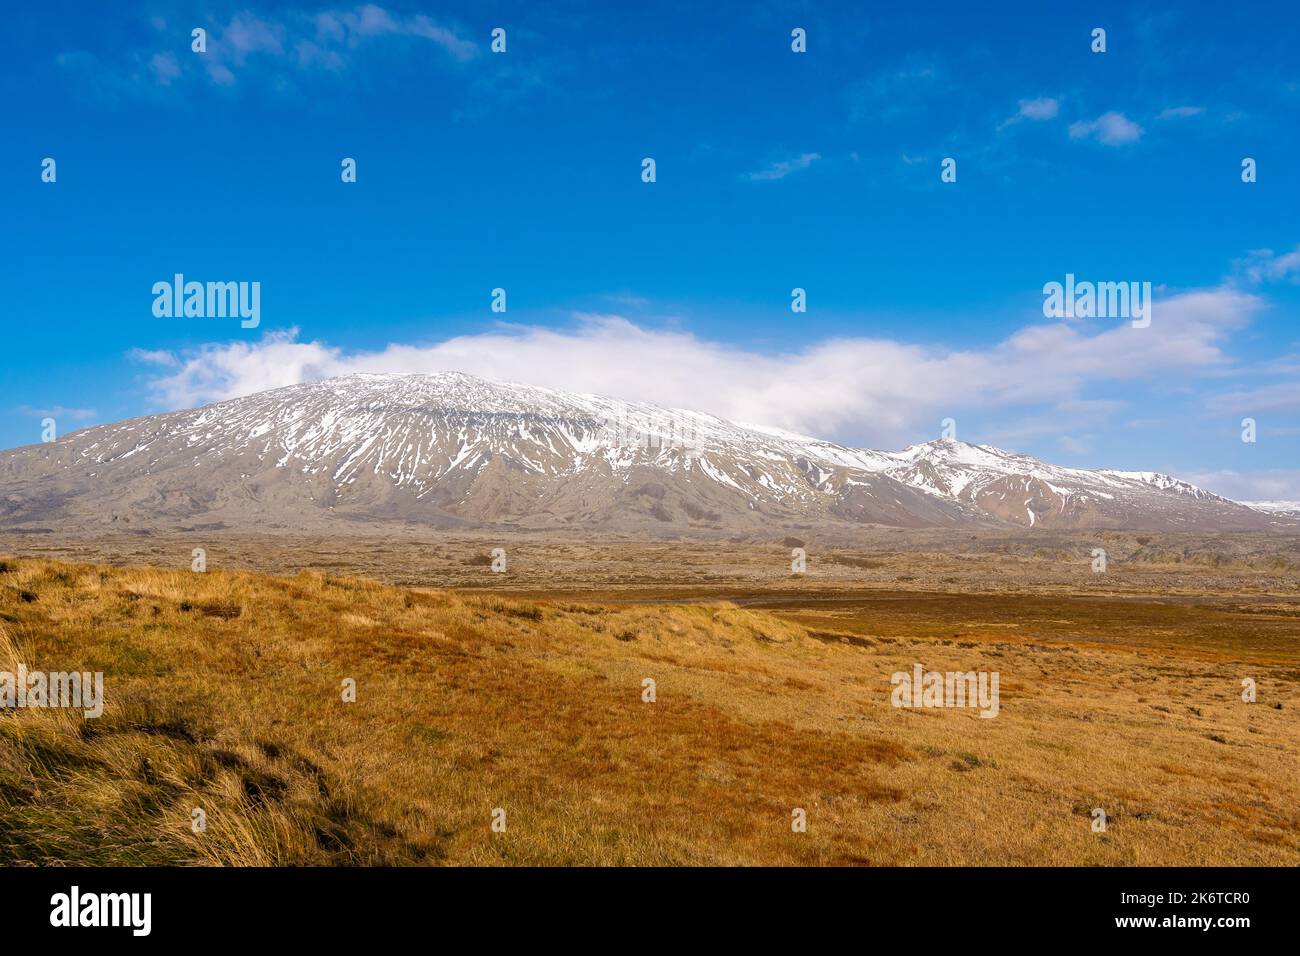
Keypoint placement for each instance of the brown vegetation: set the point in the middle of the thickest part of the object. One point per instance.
(224, 692)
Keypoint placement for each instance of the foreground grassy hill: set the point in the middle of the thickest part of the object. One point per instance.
(224, 692)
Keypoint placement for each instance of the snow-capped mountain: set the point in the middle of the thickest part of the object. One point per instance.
(450, 449)
(1289, 509)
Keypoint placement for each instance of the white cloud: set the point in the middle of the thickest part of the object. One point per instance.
(164, 67)
(221, 74)
(370, 20)
(1180, 112)
(57, 412)
(859, 389)
(1278, 484)
(152, 357)
(1109, 129)
(785, 168)
(1035, 110)
(1043, 108)
(247, 34)
(293, 37)
(1264, 265)
(1277, 397)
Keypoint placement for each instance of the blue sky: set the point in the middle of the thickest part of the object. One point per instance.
(775, 170)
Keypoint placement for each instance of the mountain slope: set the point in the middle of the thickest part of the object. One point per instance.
(453, 450)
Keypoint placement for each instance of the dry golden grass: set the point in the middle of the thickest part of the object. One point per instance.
(883, 559)
(224, 692)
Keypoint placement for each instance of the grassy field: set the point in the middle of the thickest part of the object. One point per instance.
(885, 559)
(224, 692)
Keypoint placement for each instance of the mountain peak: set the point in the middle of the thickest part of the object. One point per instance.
(952, 449)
